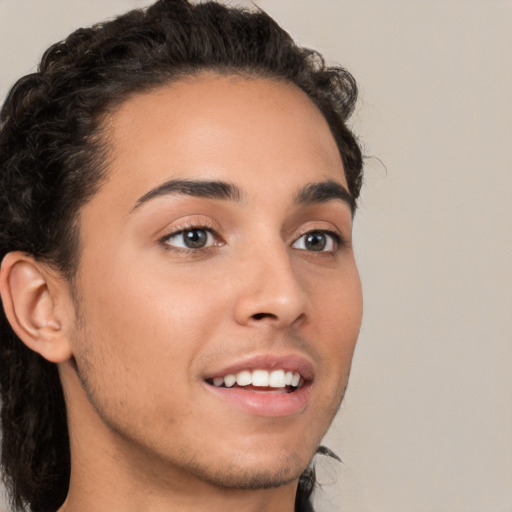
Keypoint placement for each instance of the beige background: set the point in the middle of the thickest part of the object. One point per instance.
(427, 422)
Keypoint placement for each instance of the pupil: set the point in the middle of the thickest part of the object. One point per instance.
(315, 241)
(195, 239)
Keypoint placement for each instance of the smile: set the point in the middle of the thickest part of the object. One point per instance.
(264, 385)
(260, 380)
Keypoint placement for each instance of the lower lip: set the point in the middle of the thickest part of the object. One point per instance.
(270, 405)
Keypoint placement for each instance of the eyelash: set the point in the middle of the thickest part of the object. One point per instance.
(208, 228)
(337, 239)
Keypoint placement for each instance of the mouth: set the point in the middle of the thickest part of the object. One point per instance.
(264, 385)
(261, 380)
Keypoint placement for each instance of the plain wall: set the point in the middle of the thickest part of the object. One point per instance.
(427, 422)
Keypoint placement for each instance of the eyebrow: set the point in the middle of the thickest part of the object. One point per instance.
(324, 191)
(312, 193)
(195, 188)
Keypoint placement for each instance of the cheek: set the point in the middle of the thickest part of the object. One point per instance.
(139, 345)
(152, 313)
(337, 314)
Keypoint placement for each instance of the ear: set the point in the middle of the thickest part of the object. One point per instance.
(33, 301)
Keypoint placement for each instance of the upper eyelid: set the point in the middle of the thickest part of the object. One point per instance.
(165, 239)
(180, 230)
(189, 224)
(338, 238)
(331, 229)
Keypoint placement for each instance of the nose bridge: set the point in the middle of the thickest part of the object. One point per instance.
(269, 288)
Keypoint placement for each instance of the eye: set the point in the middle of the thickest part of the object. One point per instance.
(317, 241)
(193, 238)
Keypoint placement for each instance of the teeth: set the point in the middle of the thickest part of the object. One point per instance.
(277, 379)
(260, 378)
(218, 381)
(229, 380)
(244, 378)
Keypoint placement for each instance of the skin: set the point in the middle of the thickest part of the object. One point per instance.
(147, 320)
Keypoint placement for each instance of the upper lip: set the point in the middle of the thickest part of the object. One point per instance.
(290, 362)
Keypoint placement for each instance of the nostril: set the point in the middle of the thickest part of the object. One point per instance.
(261, 316)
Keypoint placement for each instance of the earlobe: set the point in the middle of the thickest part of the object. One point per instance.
(30, 304)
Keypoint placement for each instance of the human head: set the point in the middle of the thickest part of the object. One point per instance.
(54, 157)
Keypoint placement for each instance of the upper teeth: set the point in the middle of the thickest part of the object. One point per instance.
(260, 378)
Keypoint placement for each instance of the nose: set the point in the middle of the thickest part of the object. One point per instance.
(269, 291)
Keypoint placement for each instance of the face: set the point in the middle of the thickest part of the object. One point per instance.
(218, 251)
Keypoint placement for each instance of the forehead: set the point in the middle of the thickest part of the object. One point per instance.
(221, 127)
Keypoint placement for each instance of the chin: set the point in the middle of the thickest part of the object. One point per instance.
(252, 469)
(255, 476)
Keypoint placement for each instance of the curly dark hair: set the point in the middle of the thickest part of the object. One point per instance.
(53, 158)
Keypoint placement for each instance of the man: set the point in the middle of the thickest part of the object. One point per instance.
(180, 296)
